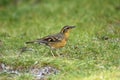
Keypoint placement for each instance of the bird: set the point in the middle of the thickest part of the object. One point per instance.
(55, 41)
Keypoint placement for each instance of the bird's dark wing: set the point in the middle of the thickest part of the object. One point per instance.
(48, 39)
(52, 38)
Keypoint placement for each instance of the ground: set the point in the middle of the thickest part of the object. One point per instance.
(92, 51)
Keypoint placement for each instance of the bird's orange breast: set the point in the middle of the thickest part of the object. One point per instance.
(56, 45)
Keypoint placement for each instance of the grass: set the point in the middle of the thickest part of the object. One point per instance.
(92, 52)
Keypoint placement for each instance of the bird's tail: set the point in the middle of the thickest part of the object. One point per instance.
(29, 42)
(37, 41)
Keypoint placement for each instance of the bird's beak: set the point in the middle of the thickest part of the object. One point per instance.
(72, 26)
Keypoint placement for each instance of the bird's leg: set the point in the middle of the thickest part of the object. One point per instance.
(52, 52)
(57, 52)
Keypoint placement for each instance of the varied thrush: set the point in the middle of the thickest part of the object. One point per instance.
(55, 41)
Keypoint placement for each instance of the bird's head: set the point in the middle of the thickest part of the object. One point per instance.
(66, 29)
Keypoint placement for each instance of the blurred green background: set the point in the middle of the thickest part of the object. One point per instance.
(93, 49)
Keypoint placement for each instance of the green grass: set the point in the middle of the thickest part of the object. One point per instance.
(88, 54)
